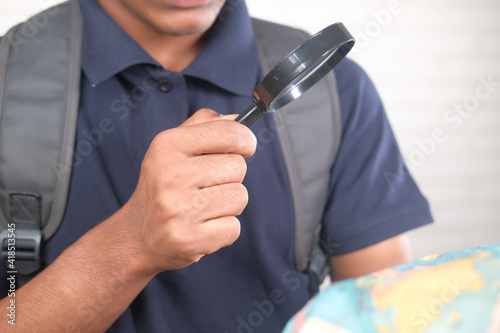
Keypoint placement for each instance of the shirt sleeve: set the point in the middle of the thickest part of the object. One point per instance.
(371, 195)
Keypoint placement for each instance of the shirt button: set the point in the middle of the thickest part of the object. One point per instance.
(165, 85)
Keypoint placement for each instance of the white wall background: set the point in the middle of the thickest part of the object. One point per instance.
(425, 56)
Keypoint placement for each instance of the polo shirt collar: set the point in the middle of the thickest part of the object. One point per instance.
(229, 59)
(106, 48)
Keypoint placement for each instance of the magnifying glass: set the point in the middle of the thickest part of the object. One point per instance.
(298, 71)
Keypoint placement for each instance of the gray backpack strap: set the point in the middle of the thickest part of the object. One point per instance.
(39, 97)
(309, 130)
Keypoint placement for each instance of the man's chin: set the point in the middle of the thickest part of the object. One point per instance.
(187, 25)
(190, 3)
(185, 30)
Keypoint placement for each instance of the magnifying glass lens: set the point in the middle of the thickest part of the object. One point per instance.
(308, 77)
(299, 71)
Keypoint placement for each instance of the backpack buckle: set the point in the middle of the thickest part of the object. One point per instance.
(21, 250)
(318, 269)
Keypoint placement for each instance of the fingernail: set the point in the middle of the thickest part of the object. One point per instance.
(229, 116)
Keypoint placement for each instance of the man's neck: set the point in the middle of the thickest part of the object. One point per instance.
(174, 53)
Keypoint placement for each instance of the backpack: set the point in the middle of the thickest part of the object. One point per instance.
(39, 98)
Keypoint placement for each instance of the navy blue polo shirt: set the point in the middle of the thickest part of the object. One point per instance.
(127, 98)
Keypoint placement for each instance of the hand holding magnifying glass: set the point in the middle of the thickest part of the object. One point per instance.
(299, 71)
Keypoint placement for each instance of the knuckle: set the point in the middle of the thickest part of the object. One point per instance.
(174, 209)
(226, 236)
(237, 135)
(168, 141)
(160, 140)
(244, 139)
(178, 240)
(180, 175)
(250, 143)
(197, 133)
(233, 230)
(240, 197)
(237, 166)
(228, 132)
(163, 181)
(199, 201)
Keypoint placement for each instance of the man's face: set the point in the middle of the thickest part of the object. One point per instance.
(174, 17)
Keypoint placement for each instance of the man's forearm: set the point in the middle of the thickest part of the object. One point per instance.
(388, 253)
(85, 289)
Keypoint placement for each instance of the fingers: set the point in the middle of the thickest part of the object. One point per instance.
(223, 200)
(190, 190)
(202, 116)
(216, 169)
(210, 137)
(207, 204)
(218, 233)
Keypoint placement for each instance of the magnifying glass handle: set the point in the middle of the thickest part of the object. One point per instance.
(251, 114)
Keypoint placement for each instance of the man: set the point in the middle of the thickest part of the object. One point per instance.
(151, 207)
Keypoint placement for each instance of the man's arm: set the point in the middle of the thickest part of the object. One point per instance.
(184, 207)
(391, 252)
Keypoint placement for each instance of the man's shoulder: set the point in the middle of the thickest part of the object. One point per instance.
(350, 73)
(357, 92)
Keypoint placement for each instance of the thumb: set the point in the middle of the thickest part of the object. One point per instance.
(204, 115)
